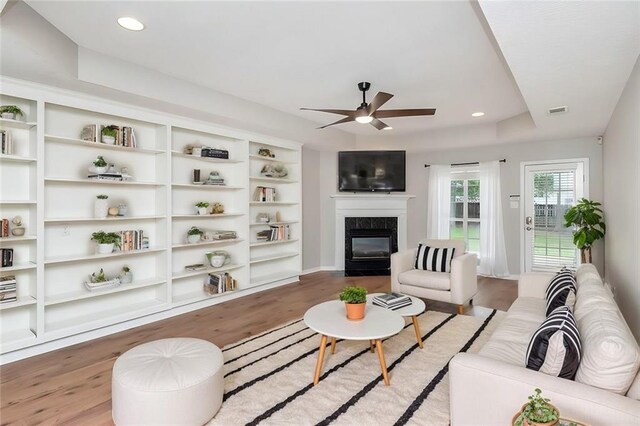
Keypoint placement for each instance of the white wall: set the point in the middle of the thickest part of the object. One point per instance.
(311, 213)
(622, 201)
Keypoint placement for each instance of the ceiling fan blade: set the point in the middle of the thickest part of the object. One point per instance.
(347, 112)
(390, 113)
(380, 99)
(344, 120)
(378, 124)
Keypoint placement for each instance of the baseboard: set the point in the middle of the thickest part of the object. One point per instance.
(318, 269)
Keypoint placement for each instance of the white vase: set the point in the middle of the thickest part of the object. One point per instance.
(126, 278)
(9, 115)
(105, 248)
(109, 140)
(192, 239)
(203, 210)
(100, 208)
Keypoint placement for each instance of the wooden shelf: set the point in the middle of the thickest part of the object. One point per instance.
(207, 187)
(286, 222)
(265, 279)
(272, 179)
(16, 124)
(268, 243)
(261, 259)
(17, 202)
(22, 301)
(206, 243)
(99, 145)
(79, 258)
(196, 296)
(101, 182)
(86, 294)
(93, 219)
(210, 270)
(17, 239)
(206, 216)
(275, 160)
(19, 267)
(207, 159)
(273, 203)
(16, 159)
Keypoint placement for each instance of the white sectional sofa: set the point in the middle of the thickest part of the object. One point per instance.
(490, 387)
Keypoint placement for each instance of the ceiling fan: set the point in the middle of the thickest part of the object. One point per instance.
(369, 113)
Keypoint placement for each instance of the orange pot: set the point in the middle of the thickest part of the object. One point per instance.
(355, 311)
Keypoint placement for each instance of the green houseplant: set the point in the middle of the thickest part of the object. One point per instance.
(99, 165)
(11, 112)
(193, 235)
(106, 241)
(588, 226)
(355, 298)
(109, 134)
(538, 411)
(203, 207)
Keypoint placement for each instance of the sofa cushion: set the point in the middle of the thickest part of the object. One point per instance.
(555, 346)
(561, 291)
(436, 259)
(426, 279)
(459, 245)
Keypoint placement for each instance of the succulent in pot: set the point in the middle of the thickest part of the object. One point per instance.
(126, 277)
(203, 207)
(538, 412)
(193, 235)
(99, 165)
(106, 241)
(355, 299)
(109, 134)
(11, 112)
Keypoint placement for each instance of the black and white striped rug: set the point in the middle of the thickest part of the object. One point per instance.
(268, 378)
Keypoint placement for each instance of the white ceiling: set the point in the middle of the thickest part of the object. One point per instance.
(289, 55)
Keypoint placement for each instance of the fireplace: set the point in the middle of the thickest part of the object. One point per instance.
(369, 243)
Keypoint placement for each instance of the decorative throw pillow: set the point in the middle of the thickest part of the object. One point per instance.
(561, 291)
(437, 259)
(555, 347)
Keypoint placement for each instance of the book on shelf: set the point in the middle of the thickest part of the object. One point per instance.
(8, 281)
(8, 296)
(219, 283)
(264, 194)
(131, 240)
(6, 142)
(8, 289)
(215, 235)
(392, 300)
(125, 136)
(5, 228)
(275, 233)
(196, 267)
(7, 257)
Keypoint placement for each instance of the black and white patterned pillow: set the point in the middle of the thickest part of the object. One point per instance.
(561, 291)
(437, 259)
(555, 347)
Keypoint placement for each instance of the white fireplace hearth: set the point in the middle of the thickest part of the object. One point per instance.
(369, 205)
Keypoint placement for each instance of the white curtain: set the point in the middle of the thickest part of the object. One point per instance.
(439, 201)
(493, 255)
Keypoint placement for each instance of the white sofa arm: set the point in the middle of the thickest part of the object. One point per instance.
(485, 391)
(533, 284)
(400, 262)
(464, 278)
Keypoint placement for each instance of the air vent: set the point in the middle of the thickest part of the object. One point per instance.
(558, 110)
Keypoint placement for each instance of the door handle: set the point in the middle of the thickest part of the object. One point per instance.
(528, 228)
(528, 220)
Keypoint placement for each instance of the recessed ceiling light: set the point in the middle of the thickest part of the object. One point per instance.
(130, 23)
(388, 128)
(477, 114)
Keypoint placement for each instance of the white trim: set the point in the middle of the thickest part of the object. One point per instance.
(318, 269)
(523, 165)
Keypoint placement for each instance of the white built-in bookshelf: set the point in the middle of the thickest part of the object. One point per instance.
(45, 182)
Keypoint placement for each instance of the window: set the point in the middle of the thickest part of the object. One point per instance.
(465, 209)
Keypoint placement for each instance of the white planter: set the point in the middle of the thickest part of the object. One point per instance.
(109, 140)
(100, 208)
(8, 115)
(126, 278)
(192, 239)
(98, 170)
(105, 248)
(203, 210)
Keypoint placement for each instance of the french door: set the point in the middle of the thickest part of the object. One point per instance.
(550, 188)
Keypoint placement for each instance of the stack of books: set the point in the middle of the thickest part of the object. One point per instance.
(6, 142)
(7, 257)
(107, 176)
(125, 135)
(264, 194)
(219, 283)
(131, 240)
(392, 300)
(214, 179)
(5, 228)
(8, 291)
(274, 233)
(219, 235)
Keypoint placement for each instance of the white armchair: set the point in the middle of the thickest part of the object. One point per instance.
(457, 287)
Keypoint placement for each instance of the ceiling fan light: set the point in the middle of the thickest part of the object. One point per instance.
(364, 119)
(388, 128)
(130, 23)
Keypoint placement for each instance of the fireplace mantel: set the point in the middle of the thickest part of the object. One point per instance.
(369, 205)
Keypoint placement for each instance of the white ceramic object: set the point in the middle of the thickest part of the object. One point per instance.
(8, 115)
(203, 210)
(126, 278)
(100, 208)
(97, 170)
(109, 140)
(217, 259)
(105, 248)
(18, 231)
(192, 239)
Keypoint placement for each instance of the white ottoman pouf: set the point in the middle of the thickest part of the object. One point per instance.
(168, 382)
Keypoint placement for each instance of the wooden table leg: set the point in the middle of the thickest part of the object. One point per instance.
(333, 345)
(383, 363)
(416, 327)
(371, 345)
(323, 346)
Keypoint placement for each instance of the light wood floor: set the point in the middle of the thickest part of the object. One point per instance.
(72, 386)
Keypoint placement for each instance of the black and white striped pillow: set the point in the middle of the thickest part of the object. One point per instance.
(437, 259)
(555, 346)
(561, 291)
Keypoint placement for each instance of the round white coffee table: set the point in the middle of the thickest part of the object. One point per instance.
(329, 319)
(412, 311)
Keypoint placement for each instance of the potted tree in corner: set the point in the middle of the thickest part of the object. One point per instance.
(355, 299)
(588, 226)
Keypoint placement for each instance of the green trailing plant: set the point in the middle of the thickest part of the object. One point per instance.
(126, 269)
(110, 131)
(102, 237)
(202, 204)
(538, 410)
(99, 277)
(11, 109)
(100, 162)
(194, 231)
(102, 197)
(353, 294)
(588, 226)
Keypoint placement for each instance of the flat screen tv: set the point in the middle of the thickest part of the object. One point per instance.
(371, 171)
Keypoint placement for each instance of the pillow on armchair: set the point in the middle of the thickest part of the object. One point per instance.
(436, 259)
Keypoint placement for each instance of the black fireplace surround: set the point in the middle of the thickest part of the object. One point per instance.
(369, 243)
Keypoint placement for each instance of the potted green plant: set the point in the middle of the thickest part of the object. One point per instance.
(109, 134)
(203, 207)
(538, 412)
(101, 206)
(106, 241)
(355, 299)
(11, 112)
(126, 277)
(193, 235)
(99, 165)
(588, 226)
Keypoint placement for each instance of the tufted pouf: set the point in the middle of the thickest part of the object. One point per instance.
(168, 382)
